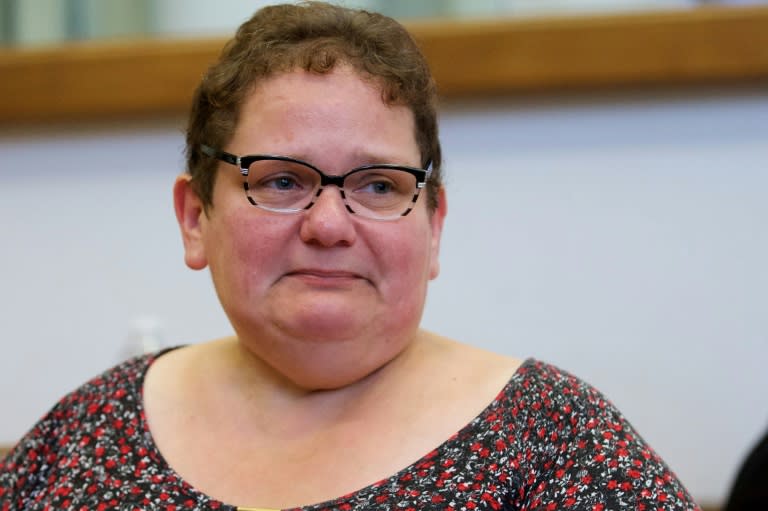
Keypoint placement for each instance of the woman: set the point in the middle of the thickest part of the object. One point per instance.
(314, 196)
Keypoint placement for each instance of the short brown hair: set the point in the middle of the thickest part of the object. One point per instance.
(314, 36)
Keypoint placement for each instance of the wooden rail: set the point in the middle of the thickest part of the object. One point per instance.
(703, 45)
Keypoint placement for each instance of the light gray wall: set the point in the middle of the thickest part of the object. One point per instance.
(622, 238)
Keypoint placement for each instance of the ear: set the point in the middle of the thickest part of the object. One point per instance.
(191, 216)
(436, 221)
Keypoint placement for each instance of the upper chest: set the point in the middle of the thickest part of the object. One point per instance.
(251, 454)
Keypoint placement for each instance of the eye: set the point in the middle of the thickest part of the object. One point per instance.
(272, 176)
(380, 187)
(284, 182)
(377, 183)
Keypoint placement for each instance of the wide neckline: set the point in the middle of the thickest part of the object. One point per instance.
(164, 466)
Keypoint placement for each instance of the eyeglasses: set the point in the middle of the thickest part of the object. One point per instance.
(287, 185)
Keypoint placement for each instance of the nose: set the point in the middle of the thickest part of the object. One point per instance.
(328, 223)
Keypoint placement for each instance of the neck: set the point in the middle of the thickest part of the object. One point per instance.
(250, 381)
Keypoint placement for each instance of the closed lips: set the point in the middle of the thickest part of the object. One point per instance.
(327, 274)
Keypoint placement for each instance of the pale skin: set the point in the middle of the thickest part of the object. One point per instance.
(329, 384)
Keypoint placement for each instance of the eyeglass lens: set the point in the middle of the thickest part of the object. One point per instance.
(290, 186)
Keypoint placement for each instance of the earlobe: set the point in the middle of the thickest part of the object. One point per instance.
(189, 214)
(436, 220)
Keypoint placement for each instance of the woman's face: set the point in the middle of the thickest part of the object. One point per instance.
(324, 297)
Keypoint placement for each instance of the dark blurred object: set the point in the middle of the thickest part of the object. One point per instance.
(750, 489)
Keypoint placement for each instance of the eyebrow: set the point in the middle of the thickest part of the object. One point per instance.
(362, 158)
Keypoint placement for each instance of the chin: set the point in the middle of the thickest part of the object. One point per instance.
(328, 322)
(326, 345)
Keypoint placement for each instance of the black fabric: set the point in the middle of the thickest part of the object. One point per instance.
(750, 489)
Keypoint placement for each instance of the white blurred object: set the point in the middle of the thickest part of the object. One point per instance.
(201, 17)
(91, 19)
(38, 22)
(588, 6)
(146, 335)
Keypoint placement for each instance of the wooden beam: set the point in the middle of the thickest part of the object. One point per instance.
(129, 79)
(660, 48)
(102, 80)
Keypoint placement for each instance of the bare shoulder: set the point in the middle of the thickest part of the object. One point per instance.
(175, 375)
(469, 376)
(475, 362)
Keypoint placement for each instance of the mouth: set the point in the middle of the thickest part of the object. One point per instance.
(326, 277)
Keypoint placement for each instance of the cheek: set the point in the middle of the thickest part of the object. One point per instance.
(408, 272)
(244, 250)
(406, 255)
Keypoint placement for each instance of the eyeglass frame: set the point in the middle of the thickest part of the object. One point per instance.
(244, 162)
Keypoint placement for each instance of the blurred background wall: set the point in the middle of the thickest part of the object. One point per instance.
(619, 235)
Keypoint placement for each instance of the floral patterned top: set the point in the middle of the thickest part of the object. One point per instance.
(548, 441)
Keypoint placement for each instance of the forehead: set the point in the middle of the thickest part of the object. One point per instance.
(300, 111)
